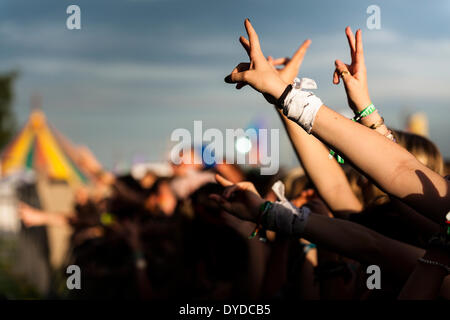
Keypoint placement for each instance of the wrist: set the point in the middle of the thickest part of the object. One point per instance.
(278, 89)
(362, 104)
(263, 206)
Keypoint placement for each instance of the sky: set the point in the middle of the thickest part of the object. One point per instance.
(138, 69)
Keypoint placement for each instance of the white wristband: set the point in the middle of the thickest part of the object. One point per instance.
(302, 106)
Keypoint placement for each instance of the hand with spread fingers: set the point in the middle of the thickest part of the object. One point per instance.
(241, 199)
(259, 73)
(354, 75)
(291, 65)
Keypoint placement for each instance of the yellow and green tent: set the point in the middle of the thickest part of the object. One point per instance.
(42, 148)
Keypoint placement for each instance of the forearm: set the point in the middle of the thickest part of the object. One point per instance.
(276, 269)
(344, 237)
(43, 218)
(257, 257)
(58, 219)
(142, 279)
(424, 283)
(445, 288)
(360, 243)
(326, 174)
(423, 227)
(394, 169)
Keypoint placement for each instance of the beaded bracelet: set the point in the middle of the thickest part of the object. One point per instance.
(435, 263)
(378, 124)
(389, 134)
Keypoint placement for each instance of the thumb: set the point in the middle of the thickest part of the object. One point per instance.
(342, 72)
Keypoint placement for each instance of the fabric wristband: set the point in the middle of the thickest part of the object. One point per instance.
(302, 106)
(308, 247)
(365, 112)
(282, 220)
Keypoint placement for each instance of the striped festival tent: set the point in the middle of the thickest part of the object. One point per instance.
(41, 148)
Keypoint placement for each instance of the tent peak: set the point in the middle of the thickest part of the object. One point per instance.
(37, 119)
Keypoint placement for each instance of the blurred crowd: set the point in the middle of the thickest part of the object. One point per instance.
(156, 237)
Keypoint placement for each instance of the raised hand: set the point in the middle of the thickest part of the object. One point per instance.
(354, 75)
(291, 65)
(240, 199)
(259, 73)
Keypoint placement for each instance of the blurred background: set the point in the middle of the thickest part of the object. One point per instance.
(138, 69)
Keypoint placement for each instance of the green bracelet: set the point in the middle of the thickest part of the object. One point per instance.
(364, 113)
(333, 154)
(262, 209)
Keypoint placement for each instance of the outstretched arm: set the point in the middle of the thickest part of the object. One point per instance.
(354, 77)
(33, 217)
(393, 168)
(326, 174)
(344, 237)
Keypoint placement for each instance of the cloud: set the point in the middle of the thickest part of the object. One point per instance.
(130, 63)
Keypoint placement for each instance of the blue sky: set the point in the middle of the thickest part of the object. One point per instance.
(140, 68)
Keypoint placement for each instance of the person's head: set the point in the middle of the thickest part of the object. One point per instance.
(160, 198)
(423, 149)
(447, 168)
